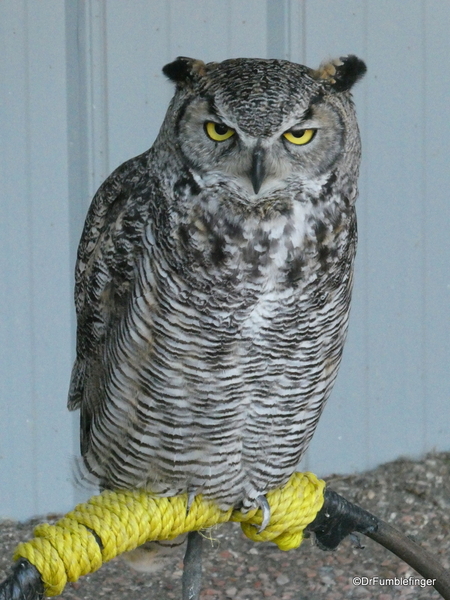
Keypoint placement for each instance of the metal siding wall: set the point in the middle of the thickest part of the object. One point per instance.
(392, 394)
(395, 268)
(155, 34)
(435, 87)
(36, 281)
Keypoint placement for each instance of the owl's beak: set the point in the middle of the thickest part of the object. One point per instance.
(258, 168)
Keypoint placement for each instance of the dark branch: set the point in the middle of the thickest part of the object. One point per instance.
(339, 517)
(24, 583)
(192, 572)
(413, 554)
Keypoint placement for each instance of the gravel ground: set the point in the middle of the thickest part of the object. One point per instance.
(414, 496)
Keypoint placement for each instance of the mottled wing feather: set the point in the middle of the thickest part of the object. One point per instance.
(105, 269)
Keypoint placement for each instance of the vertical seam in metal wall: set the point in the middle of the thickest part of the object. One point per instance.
(296, 28)
(31, 261)
(169, 30)
(304, 60)
(75, 17)
(229, 25)
(276, 28)
(424, 254)
(97, 105)
(365, 261)
(288, 31)
(105, 102)
(87, 110)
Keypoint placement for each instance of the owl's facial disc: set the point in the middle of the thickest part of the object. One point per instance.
(224, 150)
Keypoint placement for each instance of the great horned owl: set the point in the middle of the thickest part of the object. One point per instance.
(213, 282)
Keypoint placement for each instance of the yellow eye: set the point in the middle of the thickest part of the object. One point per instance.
(300, 136)
(218, 131)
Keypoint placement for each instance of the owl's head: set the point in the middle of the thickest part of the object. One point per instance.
(264, 124)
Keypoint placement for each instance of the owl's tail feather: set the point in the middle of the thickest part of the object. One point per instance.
(115, 522)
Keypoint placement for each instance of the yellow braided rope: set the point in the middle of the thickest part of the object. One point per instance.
(124, 520)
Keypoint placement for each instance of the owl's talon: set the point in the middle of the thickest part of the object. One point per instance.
(262, 503)
(190, 500)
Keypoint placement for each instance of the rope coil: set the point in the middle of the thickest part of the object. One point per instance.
(124, 520)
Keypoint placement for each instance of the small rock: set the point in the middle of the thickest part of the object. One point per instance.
(282, 579)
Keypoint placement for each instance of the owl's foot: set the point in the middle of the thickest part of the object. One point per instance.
(190, 499)
(262, 503)
(155, 556)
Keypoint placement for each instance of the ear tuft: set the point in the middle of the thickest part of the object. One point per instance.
(341, 73)
(184, 71)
